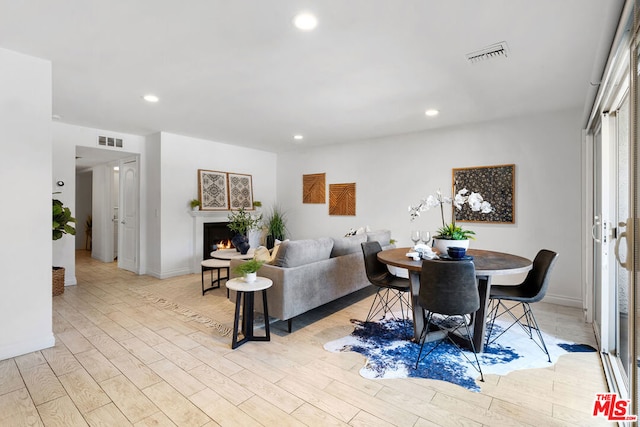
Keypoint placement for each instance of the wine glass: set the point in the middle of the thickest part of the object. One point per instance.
(415, 236)
(426, 237)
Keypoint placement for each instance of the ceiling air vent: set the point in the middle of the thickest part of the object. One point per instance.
(490, 52)
(108, 141)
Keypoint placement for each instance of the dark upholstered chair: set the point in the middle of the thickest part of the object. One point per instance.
(450, 289)
(532, 289)
(391, 289)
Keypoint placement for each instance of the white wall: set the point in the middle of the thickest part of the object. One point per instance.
(392, 173)
(25, 149)
(180, 159)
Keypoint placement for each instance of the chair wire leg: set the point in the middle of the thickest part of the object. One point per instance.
(423, 336)
(531, 320)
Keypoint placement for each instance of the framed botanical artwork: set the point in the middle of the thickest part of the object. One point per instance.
(240, 191)
(313, 188)
(496, 185)
(342, 199)
(212, 190)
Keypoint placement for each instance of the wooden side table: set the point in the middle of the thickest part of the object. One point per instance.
(245, 297)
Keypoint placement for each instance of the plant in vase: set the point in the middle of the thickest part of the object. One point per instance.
(248, 269)
(195, 204)
(241, 222)
(61, 225)
(276, 226)
(451, 234)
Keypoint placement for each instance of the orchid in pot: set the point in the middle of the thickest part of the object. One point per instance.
(451, 234)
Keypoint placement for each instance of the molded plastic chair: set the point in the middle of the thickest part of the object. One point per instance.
(391, 289)
(532, 289)
(449, 288)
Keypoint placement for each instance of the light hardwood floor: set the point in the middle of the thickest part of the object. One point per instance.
(123, 359)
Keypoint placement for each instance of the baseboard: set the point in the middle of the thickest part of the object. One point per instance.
(23, 347)
(560, 300)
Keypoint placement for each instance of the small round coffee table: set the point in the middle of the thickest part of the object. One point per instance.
(229, 254)
(245, 297)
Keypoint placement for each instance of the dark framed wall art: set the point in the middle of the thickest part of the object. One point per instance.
(496, 185)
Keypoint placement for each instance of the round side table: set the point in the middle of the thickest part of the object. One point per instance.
(245, 298)
(229, 254)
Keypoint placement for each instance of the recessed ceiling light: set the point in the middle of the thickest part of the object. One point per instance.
(298, 137)
(305, 21)
(431, 112)
(151, 98)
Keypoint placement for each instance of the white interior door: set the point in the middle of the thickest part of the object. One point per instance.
(129, 225)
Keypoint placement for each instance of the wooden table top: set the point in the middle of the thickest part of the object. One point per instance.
(487, 263)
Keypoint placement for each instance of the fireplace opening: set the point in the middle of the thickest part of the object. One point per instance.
(216, 235)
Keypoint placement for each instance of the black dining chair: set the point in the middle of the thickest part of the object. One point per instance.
(391, 289)
(531, 290)
(449, 294)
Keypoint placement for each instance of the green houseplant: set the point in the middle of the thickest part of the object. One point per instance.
(248, 269)
(241, 222)
(62, 221)
(195, 204)
(276, 226)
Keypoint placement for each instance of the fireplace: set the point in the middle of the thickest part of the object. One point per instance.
(215, 233)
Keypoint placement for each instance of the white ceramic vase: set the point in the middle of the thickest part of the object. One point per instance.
(250, 277)
(441, 245)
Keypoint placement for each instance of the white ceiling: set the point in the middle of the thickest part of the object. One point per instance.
(238, 72)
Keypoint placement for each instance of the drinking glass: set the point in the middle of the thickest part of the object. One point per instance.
(415, 236)
(426, 237)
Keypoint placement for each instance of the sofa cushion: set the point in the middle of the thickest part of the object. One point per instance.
(382, 236)
(300, 252)
(347, 245)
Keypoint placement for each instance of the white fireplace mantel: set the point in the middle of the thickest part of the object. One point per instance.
(202, 217)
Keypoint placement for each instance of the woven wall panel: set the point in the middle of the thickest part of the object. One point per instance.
(313, 188)
(342, 199)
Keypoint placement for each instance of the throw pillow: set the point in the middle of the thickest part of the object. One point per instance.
(382, 236)
(347, 245)
(262, 254)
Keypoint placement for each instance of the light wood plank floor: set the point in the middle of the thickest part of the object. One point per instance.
(122, 358)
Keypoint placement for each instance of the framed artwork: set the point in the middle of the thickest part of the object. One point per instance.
(240, 191)
(313, 188)
(342, 199)
(496, 185)
(212, 190)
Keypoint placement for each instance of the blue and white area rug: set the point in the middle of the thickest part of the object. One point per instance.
(390, 353)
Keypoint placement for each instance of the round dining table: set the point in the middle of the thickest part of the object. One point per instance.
(487, 264)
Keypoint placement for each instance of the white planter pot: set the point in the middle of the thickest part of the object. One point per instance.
(441, 245)
(250, 277)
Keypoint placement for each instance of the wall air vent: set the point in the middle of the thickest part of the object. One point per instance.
(497, 50)
(108, 141)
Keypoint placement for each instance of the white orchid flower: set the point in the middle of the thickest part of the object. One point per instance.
(459, 200)
(475, 201)
(485, 207)
(432, 202)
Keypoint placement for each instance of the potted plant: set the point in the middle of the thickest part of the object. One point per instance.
(195, 204)
(61, 226)
(241, 222)
(450, 234)
(276, 227)
(248, 269)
